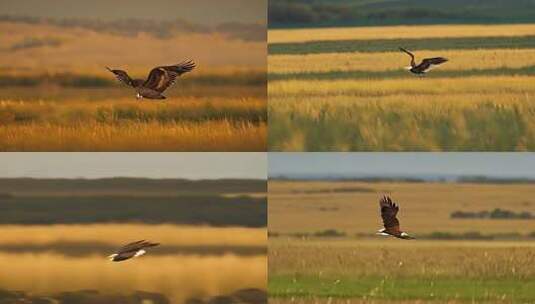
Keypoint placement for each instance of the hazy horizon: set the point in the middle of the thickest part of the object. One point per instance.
(207, 12)
(188, 165)
(500, 165)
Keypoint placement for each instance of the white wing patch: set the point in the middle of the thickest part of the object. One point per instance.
(140, 253)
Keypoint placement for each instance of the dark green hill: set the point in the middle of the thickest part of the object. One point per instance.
(323, 13)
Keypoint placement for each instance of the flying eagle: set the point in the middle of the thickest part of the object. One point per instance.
(389, 210)
(424, 66)
(131, 250)
(159, 79)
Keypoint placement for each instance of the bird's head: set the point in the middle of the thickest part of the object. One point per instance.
(138, 96)
(112, 256)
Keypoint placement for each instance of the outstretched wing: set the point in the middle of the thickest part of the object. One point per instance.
(123, 77)
(429, 63)
(435, 60)
(134, 246)
(149, 244)
(160, 78)
(413, 63)
(389, 210)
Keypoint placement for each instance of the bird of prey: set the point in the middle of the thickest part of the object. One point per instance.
(159, 79)
(424, 66)
(389, 210)
(131, 250)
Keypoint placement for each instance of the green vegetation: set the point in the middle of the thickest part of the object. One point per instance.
(188, 210)
(117, 112)
(497, 213)
(473, 290)
(322, 13)
(479, 271)
(353, 125)
(388, 45)
(400, 74)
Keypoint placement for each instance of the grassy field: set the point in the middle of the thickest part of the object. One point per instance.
(190, 124)
(401, 272)
(359, 267)
(347, 90)
(59, 97)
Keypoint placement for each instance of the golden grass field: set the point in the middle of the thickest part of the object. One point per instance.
(361, 101)
(397, 32)
(74, 104)
(200, 124)
(391, 61)
(178, 276)
(364, 268)
(425, 207)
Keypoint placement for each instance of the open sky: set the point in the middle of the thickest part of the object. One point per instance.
(208, 12)
(150, 165)
(402, 164)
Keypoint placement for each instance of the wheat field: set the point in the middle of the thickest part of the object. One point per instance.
(325, 98)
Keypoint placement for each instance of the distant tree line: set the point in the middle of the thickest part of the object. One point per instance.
(494, 214)
(312, 13)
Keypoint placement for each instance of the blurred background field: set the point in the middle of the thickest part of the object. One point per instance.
(475, 234)
(59, 226)
(337, 80)
(211, 245)
(53, 79)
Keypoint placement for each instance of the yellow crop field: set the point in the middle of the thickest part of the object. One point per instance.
(330, 94)
(398, 32)
(390, 61)
(385, 87)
